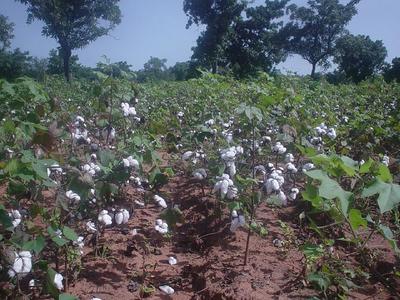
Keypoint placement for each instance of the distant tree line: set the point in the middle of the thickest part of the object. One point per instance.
(239, 38)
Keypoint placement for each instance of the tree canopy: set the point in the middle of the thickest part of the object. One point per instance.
(315, 29)
(6, 32)
(74, 24)
(358, 57)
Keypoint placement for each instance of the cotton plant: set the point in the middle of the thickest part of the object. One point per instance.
(130, 162)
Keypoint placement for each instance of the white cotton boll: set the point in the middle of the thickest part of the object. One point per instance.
(229, 138)
(232, 192)
(95, 298)
(91, 227)
(119, 217)
(224, 188)
(126, 216)
(266, 139)
(234, 225)
(187, 155)
(271, 185)
(282, 197)
(58, 278)
(331, 133)
(133, 162)
(126, 162)
(200, 174)
(16, 217)
(234, 214)
(32, 283)
(104, 218)
(289, 158)
(308, 167)
(86, 168)
(291, 168)
(386, 160)
(160, 201)
(161, 226)
(159, 222)
(210, 122)
(232, 169)
(22, 264)
(167, 289)
(172, 260)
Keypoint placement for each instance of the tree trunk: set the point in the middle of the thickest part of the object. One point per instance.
(66, 54)
(214, 67)
(313, 70)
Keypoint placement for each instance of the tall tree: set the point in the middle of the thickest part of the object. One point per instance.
(218, 16)
(358, 57)
(154, 69)
(392, 71)
(6, 33)
(258, 42)
(74, 23)
(315, 29)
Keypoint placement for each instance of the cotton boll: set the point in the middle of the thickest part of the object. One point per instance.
(125, 162)
(104, 218)
(289, 158)
(167, 289)
(386, 160)
(22, 264)
(187, 155)
(232, 192)
(291, 168)
(119, 217)
(91, 227)
(172, 260)
(160, 201)
(16, 217)
(331, 133)
(308, 167)
(282, 197)
(58, 278)
(126, 216)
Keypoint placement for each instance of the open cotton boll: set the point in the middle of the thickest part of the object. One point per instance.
(73, 197)
(200, 174)
(289, 158)
(386, 160)
(22, 264)
(282, 197)
(291, 168)
(16, 217)
(161, 226)
(167, 289)
(331, 133)
(172, 260)
(91, 227)
(237, 222)
(293, 193)
(308, 167)
(58, 278)
(160, 201)
(271, 185)
(187, 155)
(232, 192)
(122, 217)
(104, 218)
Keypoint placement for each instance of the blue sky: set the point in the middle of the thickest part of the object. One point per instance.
(157, 28)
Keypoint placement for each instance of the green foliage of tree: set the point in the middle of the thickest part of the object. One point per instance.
(6, 33)
(315, 29)
(392, 71)
(218, 16)
(74, 24)
(259, 41)
(359, 57)
(180, 71)
(14, 64)
(155, 69)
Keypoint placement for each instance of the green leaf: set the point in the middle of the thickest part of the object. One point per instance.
(69, 233)
(389, 194)
(365, 167)
(330, 189)
(36, 245)
(356, 219)
(389, 236)
(384, 174)
(5, 219)
(67, 297)
(320, 280)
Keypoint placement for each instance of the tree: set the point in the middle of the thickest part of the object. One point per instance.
(315, 29)
(56, 62)
(358, 57)
(154, 69)
(75, 23)
(14, 64)
(180, 71)
(259, 41)
(218, 16)
(6, 33)
(392, 72)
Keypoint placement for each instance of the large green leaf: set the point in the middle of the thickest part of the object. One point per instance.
(356, 219)
(36, 245)
(330, 189)
(389, 194)
(67, 297)
(69, 233)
